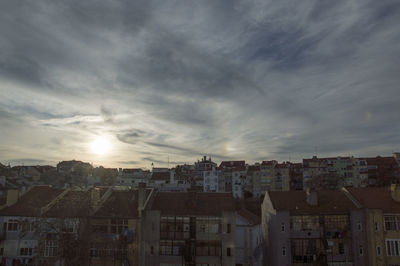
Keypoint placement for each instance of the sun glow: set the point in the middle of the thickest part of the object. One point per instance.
(100, 146)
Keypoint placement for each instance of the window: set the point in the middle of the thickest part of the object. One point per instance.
(27, 226)
(393, 247)
(228, 252)
(341, 248)
(1, 251)
(305, 250)
(283, 251)
(378, 250)
(361, 250)
(228, 228)
(392, 223)
(50, 248)
(171, 247)
(102, 250)
(304, 223)
(337, 222)
(12, 225)
(118, 225)
(359, 226)
(283, 227)
(25, 251)
(376, 226)
(175, 227)
(151, 250)
(208, 248)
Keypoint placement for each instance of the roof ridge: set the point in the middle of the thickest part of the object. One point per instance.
(54, 201)
(103, 199)
(351, 197)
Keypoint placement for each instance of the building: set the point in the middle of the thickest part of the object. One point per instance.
(116, 227)
(311, 228)
(48, 226)
(190, 228)
(380, 209)
(281, 177)
(267, 172)
(296, 176)
(249, 241)
(133, 176)
(235, 177)
(253, 180)
(20, 237)
(382, 171)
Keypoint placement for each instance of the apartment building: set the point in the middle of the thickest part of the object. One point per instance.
(115, 227)
(189, 228)
(380, 208)
(48, 226)
(311, 228)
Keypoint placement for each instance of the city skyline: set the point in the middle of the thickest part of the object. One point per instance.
(157, 81)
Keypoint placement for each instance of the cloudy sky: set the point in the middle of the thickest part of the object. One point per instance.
(237, 79)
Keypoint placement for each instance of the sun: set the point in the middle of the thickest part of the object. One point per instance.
(101, 146)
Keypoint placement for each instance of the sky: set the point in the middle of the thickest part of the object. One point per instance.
(174, 80)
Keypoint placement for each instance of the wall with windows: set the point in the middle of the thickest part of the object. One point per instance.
(391, 238)
(276, 233)
(115, 239)
(171, 239)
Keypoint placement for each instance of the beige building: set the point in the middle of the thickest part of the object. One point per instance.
(381, 206)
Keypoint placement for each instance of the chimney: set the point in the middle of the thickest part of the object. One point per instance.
(94, 197)
(12, 197)
(395, 192)
(141, 195)
(312, 197)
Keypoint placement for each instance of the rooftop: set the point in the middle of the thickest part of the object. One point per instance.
(193, 203)
(122, 204)
(329, 201)
(31, 202)
(375, 198)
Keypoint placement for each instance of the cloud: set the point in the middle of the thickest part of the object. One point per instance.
(235, 79)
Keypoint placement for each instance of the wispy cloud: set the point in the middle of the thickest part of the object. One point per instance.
(235, 79)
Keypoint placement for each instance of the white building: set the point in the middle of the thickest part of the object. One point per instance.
(210, 180)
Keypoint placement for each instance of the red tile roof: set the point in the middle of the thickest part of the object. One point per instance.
(379, 160)
(329, 201)
(193, 203)
(375, 198)
(121, 204)
(75, 203)
(31, 202)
